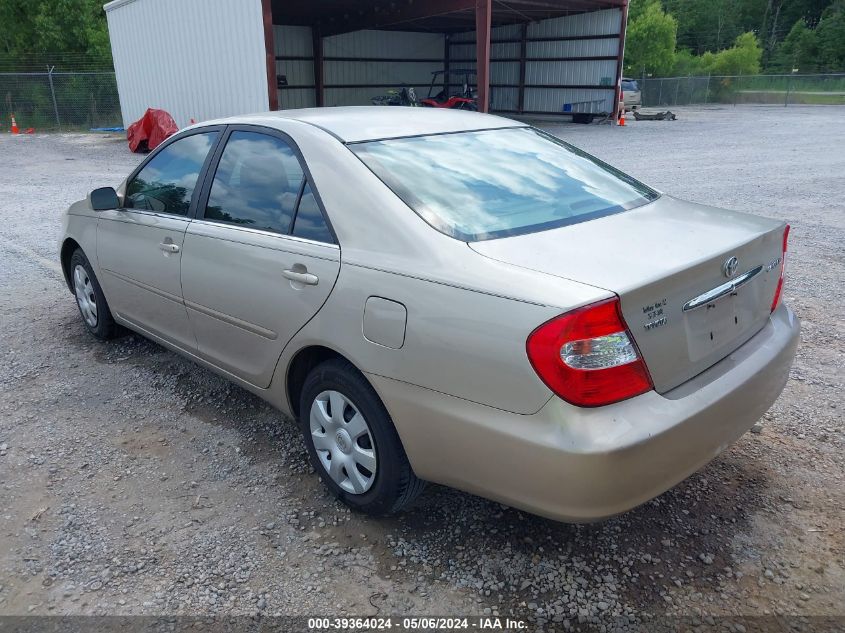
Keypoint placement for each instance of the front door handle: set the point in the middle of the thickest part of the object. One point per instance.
(169, 247)
(306, 278)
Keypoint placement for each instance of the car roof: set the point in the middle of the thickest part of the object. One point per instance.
(354, 124)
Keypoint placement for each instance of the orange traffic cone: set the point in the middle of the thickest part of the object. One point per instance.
(15, 128)
(621, 121)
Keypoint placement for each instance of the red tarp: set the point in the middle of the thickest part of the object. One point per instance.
(150, 130)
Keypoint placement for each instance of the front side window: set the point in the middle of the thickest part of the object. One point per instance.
(494, 183)
(257, 183)
(167, 182)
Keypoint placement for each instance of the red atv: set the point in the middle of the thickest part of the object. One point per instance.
(466, 99)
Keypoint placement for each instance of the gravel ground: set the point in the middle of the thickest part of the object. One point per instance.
(134, 482)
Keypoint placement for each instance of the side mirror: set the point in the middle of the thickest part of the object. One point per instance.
(104, 198)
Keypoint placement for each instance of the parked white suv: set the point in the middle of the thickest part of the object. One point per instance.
(631, 95)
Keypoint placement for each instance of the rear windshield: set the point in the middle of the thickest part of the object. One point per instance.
(482, 185)
(630, 84)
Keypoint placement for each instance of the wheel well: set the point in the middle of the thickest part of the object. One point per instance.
(301, 365)
(68, 247)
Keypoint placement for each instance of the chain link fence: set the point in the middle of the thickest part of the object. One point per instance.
(80, 100)
(53, 100)
(661, 92)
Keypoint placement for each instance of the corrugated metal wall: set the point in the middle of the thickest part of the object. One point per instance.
(409, 60)
(569, 61)
(504, 75)
(357, 66)
(295, 45)
(592, 72)
(217, 68)
(563, 63)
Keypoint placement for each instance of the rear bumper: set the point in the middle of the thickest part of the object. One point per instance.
(574, 464)
(631, 102)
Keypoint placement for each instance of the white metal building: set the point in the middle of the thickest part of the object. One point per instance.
(201, 59)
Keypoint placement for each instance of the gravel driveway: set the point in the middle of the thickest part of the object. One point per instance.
(134, 482)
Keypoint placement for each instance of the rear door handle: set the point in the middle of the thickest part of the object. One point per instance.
(301, 277)
(169, 247)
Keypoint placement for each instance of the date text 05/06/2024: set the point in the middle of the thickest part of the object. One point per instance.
(483, 623)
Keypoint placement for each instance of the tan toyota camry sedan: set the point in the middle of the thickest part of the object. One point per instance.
(446, 296)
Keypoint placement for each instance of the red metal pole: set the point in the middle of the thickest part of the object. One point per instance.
(483, 16)
(622, 30)
(270, 55)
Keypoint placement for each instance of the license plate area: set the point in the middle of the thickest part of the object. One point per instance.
(720, 322)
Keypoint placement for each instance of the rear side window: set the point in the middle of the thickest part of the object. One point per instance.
(630, 85)
(493, 183)
(166, 183)
(257, 183)
(310, 223)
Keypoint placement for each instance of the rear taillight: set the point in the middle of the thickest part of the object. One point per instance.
(588, 357)
(779, 289)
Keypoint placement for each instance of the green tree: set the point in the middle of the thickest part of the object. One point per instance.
(799, 50)
(743, 58)
(637, 7)
(31, 28)
(708, 25)
(830, 35)
(72, 25)
(688, 64)
(808, 10)
(650, 40)
(819, 49)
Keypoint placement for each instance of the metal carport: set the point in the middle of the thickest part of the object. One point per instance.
(201, 59)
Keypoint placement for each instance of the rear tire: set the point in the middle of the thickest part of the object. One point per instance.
(352, 442)
(90, 299)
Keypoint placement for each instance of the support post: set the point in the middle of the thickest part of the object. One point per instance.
(642, 90)
(447, 54)
(270, 55)
(483, 17)
(736, 88)
(50, 70)
(785, 101)
(623, 27)
(523, 51)
(319, 84)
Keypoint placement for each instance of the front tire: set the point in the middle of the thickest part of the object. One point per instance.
(352, 442)
(90, 298)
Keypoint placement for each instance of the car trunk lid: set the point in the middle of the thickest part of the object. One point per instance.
(658, 259)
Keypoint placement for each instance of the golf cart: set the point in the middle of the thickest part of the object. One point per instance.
(441, 80)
